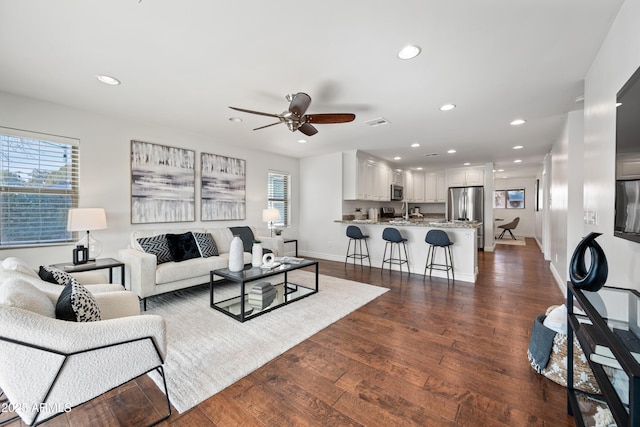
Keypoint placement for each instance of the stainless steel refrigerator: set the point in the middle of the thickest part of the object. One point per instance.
(467, 204)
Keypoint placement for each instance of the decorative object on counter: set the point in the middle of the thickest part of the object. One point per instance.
(256, 253)
(355, 235)
(439, 239)
(87, 219)
(392, 236)
(236, 254)
(270, 215)
(593, 279)
(358, 214)
(80, 255)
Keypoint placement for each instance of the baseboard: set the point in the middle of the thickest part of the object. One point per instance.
(559, 280)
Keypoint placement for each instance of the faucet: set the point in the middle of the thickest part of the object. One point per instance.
(405, 207)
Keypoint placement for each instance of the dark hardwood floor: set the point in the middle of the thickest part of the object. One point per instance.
(426, 353)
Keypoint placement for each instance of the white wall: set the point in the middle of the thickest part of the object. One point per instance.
(105, 170)
(526, 226)
(616, 61)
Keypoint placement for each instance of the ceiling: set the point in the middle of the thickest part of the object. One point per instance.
(183, 63)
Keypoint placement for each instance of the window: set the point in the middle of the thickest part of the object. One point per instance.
(38, 185)
(509, 199)
(279, 196)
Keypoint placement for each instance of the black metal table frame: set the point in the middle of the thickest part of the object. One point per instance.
(229, 277)
(98, 264)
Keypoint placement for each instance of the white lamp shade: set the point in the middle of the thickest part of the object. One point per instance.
(270, 215)
(85, 219)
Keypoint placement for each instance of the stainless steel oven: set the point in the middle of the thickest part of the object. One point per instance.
(397, 192)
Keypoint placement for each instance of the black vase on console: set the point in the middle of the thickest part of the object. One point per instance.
(593, 279)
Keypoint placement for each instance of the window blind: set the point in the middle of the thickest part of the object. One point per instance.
(38, 185)
(278, 196)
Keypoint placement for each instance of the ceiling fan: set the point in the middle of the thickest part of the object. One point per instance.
(296, 119)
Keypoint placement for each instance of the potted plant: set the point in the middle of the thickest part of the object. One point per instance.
(278, 231)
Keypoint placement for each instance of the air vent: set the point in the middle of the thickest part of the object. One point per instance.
(380, 121)
(431, 154)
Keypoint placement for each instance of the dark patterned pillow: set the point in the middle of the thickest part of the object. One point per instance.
(54, 275)
(183, 246)
(158, 246)
(206, 244)
(77, 304)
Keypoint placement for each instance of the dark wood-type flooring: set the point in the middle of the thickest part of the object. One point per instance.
(426, 353)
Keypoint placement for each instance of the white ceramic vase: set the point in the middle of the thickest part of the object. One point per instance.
(256, 252)
(236, 254)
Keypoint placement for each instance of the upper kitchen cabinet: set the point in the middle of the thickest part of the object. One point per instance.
(435, 188)
(463, 177)
(365, 177)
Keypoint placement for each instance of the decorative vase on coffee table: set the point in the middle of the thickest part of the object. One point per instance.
(236, 254)
(256, 252)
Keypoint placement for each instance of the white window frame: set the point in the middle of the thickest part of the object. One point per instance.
(283, 204)
(38, 151)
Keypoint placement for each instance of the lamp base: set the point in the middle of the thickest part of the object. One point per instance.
(95, 246)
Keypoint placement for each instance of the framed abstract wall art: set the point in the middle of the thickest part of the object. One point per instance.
(162, 183)
(223, 188)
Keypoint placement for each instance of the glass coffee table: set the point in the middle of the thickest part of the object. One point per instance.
(240, 302)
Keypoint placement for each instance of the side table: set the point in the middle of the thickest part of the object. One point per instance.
(292, 241)
(98, 264)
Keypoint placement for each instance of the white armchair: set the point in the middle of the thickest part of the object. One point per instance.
(48, 366)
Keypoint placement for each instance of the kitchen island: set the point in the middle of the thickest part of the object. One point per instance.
(463, 234)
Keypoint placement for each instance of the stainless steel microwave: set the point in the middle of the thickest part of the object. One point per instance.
(397, 192)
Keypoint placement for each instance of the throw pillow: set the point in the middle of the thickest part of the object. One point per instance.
(77, 304)
(158, 246)
(206, 244)
(54, 275)
(16, 264)
(17, 293)
(183, 246)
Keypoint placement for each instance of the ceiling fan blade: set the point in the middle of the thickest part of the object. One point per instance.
(299, 104)
(266, 126)
(255, 112)
(330, 118)
(307, 129)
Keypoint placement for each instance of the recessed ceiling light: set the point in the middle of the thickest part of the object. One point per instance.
(235, 119)
(419, 168)
(415, 145)
(451, 151)
(517, 122)
(466, 164)
(302, 141)
(408, 52)
(397, 158)
(500, 170)
(517, 161)
(107, 80)
(518, 147)
(447, 107)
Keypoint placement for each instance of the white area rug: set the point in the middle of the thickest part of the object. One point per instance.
(208, 351)
(509, 241)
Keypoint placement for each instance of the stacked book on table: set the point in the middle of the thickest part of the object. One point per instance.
(261, 295)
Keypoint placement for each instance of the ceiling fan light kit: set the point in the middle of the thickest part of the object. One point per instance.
(295, 118)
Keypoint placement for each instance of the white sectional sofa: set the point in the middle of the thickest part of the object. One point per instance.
(148, 278)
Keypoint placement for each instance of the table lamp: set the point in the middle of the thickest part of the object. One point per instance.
(87, 219)
(270, 215)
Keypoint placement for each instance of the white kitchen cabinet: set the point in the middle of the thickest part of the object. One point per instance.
(418, 187)
(463, 177)
(364, 177)
(408, 187)
(441, 188)
(430, 188)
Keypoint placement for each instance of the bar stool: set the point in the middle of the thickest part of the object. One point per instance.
(393, 237)
(355, 235)
(439, 239)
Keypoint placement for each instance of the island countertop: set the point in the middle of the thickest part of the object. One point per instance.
(416, 223)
